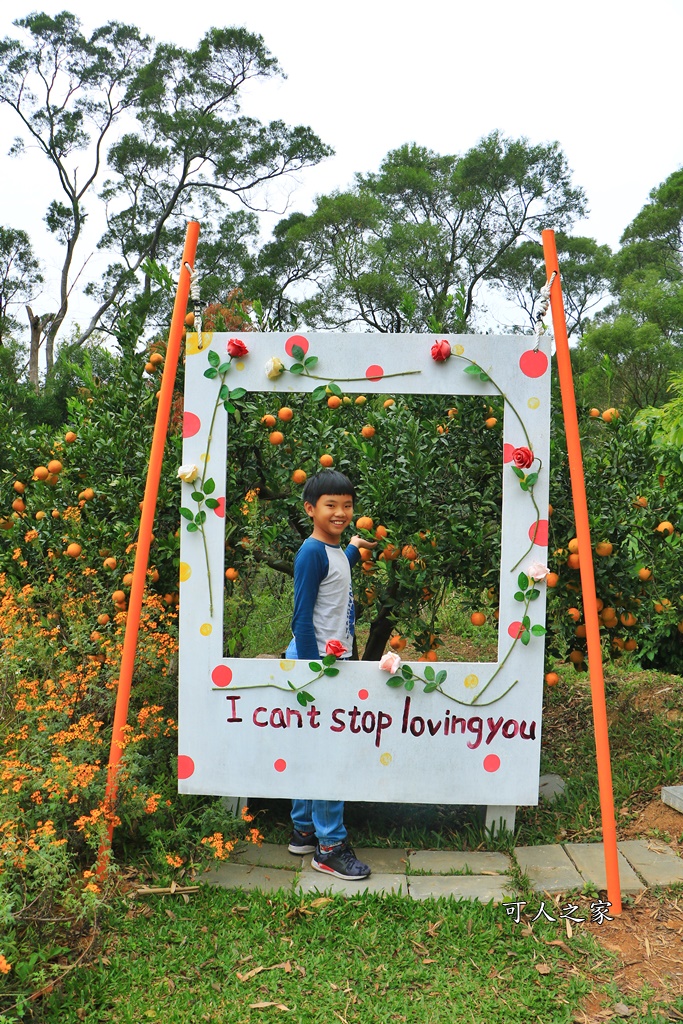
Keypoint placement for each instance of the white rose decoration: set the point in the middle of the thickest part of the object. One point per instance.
(274, 368)
(189, 473)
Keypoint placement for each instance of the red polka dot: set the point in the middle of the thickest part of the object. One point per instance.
(363, 695)
(491, 763)
(280, 764)
(220, 509)
(374, 372)
(221, 675)
(296, 339)
(191, 424)
(515, 629)
(538, 533)
(185, 766)
(533, 364)
(508, 449)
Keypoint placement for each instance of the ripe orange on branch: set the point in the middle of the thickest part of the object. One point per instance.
(277, 437)
(326, 460)
(364, 523)
(552, 678)
(268, 420)
(298, 476)
(54, 466)
(603, 548)
(477, 618)
(41, 473)
(665, 527)
(73, 550)
(368, 431)
(285, 414)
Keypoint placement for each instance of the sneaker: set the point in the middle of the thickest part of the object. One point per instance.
(302, 842)
(341, 862)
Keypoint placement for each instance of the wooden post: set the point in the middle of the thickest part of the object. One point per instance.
(145, 534)
(590, 605)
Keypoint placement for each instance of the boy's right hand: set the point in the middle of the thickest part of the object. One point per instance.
(361, 542)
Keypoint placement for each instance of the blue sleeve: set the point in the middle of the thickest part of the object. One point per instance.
(310, 569)
(353, 555)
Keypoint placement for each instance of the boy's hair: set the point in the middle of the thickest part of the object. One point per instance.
(327, 481)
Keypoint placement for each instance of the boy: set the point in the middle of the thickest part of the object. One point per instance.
(323, 611)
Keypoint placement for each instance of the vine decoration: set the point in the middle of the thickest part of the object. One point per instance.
(303, 365)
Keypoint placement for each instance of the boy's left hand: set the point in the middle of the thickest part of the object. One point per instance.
(360, 542)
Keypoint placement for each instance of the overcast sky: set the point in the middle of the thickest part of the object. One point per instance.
(601, 77)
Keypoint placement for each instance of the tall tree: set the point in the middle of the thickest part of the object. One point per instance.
(409, 248)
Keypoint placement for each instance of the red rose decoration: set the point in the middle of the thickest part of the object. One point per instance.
(335, 647)
(441, 351)
(522, 457)
(237, 348)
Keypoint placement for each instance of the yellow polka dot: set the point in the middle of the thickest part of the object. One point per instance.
(287, 665)
(458, 349)
(534, 403)
(206, 629)
(205, 458)
(185, 572)
(385, 758)
(471, 681)
(239, 365)
(192, 343)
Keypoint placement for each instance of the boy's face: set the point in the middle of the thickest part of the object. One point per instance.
(331, 514)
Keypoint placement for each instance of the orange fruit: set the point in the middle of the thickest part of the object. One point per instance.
(285, 414)
(19, 505)
(630, 645)
(431, 656)
(231, 574)
(128, 579)
(576, 657)
(574, 614)
(627, 619)
(551, 579)
(580, 631)
(409, 552)
(361, 400)
(365, 554)
(644, 573)
(573, 562)
(276, 437)
(617, 643)
(603, 548)
(441, 430)
(594, 413)
(477, 618)
(51, 479)
(370, 595)
(19, 487)
(398, 644)
(156, 359)
(452, 413)
(368, 567)
(70, 437)
(298, 476)
(573, 546)
(550, 511)
(109, 563)
(552, 678)
(54, 466)
(73, 550)
(55, 513)
(381, 532)
(599, 604)
(149, 367)
(189, 320)
(640, 502)
(390, 553)
(610, 414)
(326, 460)
(334, 401)
(102, 619)
(490, 422)
(41, 514)
(40, 473)
(368, 431)
(268, 420)
(87, 495)
(665, 527)
(364, 523)
(388, 403)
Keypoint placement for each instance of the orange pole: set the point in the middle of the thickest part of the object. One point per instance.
(590, 605)
(145, 533)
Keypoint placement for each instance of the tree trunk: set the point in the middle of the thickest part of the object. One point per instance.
(380, 631)
(36, 332)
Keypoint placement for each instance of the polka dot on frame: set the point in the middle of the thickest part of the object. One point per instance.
(185, 766)
(206, 629)
(534, 403)
(385, 758)
(471, 681)
(184, 572)
(287, 664)
(374, 372)
(205, 458)
(191, 424)
(363, 695)
(221, 675)
(280, 765)
(458, 349)
(220, 508)
(491, 763)
(533, 364)
(515, 629)
(538, 533)
(508, 449)
(239, 365)
(299, 341)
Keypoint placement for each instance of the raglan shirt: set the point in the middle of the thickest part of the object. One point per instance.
(323, 597)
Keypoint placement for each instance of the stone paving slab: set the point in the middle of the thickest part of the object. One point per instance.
(483, 888)
(589, 859)
(268, 855)
(314, 881)
(673, 797)
(654, 861)
(549, 868)
(445, 862)
(384, 861)
(248, 877)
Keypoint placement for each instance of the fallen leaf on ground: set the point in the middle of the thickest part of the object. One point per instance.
(262, 1006)
(542, 968)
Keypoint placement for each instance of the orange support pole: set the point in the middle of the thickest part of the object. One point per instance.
(144, 540)
(590, 605)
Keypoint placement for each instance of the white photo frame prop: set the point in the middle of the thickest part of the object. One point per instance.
(473, 740)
